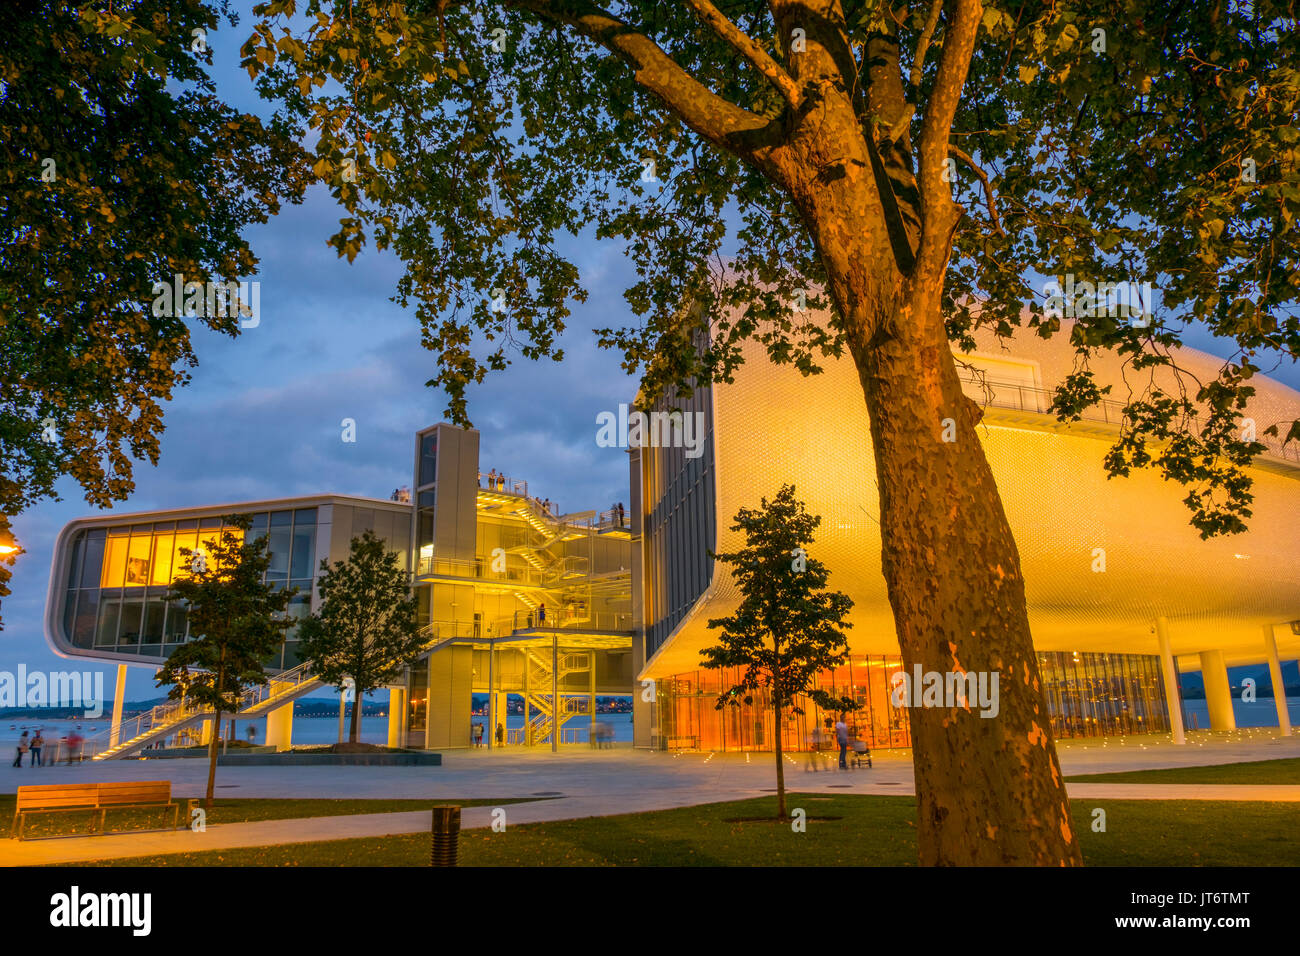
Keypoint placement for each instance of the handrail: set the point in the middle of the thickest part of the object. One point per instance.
(1015, 396)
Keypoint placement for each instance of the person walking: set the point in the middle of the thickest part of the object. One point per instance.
(37, 743)
(814, 745)
(541, 615)
(842, 738)
(22, 749)
(501, 734)
(74, 746)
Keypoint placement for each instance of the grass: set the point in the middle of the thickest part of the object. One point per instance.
(239, 810)
(1257, 771)
(872, 831)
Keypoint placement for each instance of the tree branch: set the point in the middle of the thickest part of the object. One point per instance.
(716, 119)
(751, 51)
(939, 215)
(988, 186)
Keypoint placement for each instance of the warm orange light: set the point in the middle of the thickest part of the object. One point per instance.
(8, 549)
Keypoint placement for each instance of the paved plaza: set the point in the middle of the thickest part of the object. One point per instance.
(586, 783)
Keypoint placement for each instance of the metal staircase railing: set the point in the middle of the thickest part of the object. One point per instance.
(538, 692)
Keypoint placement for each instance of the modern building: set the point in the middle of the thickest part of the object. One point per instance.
(549, 611)
(514, 600)
(1121, 590)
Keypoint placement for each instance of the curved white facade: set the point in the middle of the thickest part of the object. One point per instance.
(772, 425)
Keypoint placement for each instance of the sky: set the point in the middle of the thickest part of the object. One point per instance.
(263, 415)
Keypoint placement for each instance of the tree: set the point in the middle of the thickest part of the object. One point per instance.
(120, 168)
(787, 627)
(826, 152)
(239, 620)
(366, 630)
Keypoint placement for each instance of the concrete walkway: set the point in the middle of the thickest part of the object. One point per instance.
(587, 784)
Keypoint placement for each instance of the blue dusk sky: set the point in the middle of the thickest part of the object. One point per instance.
(262, 416)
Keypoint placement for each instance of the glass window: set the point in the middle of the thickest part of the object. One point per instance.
(160, 560)
(137, 560)
(106, 632)
(83, 625)
(132, 612)
(428, 458)
(189, 524)
(258, 528)
(278, 570)
(115, 561)
(304, 516)
(209, 523)
(94, 559)
(178, 618)
(279, 518)
(180, 561)
(154, 614)
(304, 549)
(74, 566)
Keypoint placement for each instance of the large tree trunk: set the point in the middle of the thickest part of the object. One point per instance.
(354, 727)
(989, 789)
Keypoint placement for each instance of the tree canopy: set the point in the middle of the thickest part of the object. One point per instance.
(121, 167)
(366, 630)
(1121, 141)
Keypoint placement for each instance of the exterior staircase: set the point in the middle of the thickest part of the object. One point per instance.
(547, 717)
(172, 717)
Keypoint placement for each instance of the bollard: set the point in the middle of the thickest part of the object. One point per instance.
(446, 836)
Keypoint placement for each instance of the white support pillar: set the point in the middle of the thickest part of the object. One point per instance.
(279, 727)
(1275, 674)
(1218, 693)
(492, 696)
(555, 693)
(1169, 669)
(119, 692)
(396, 716)
(343, 705)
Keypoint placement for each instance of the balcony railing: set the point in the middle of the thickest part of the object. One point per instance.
(503, 483)
(1028, 398)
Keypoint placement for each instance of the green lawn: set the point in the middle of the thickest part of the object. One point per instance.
(71, 822)
(875, 831)
(1256, 771)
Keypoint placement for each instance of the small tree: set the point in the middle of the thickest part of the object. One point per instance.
(239, 621)
(366, 629)
(787, 627)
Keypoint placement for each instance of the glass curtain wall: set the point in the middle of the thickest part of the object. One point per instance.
(1088, 695)
(119, 578)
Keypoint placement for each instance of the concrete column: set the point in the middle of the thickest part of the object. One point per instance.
(205, 732)
(343, 706)
(120, 691)
(396, 716)
(1218, 694)
(492, 698)
(1279, 689)
(555, 693)
(1169, 669)
(279, 727)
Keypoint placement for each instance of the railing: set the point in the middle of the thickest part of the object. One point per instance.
(502, 483)
(1027, 398)
(563, 618)
(479, 569)
(283, 683)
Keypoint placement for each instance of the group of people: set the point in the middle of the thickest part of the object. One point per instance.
(496, 482)
(618, 514)
(34, 744)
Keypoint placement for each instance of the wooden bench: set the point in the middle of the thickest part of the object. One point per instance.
(52, 798)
